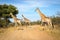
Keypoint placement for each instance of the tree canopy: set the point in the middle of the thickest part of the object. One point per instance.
(5, 13)
(6, 9)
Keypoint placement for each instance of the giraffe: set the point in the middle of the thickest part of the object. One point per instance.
(26, 20)
(16, 20)
(44, 19)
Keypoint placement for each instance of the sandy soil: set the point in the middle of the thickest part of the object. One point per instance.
(29, 33)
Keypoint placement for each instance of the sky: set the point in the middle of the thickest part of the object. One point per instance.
(27, 7)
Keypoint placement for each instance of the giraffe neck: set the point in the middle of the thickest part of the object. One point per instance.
(25, 19)
(41, 14)
(12, 16)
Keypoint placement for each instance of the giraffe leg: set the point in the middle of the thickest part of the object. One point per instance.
(15, 24)
(19, 23)
(48, 25)
(21, 28)
(51, 25)
(41, 23)
(29, 23)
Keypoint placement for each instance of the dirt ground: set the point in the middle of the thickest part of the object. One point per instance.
(28, 33)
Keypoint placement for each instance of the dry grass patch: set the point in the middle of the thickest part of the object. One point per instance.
(55, 33)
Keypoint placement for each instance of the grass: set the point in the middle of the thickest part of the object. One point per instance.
(2, 31)
(55, 33)
(5, 30)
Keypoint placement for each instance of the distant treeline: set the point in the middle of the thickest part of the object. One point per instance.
(56, 19)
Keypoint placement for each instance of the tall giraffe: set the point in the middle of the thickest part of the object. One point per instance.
(44, 19)
(26, 20)
(16, 20)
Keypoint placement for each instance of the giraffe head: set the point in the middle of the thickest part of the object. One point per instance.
(10, 13)
(37, 9)
(22, 15)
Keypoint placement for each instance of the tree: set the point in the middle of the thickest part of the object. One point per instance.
(56, 18)
(5, 12)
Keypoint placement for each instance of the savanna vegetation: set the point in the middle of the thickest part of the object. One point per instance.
(5, 16)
